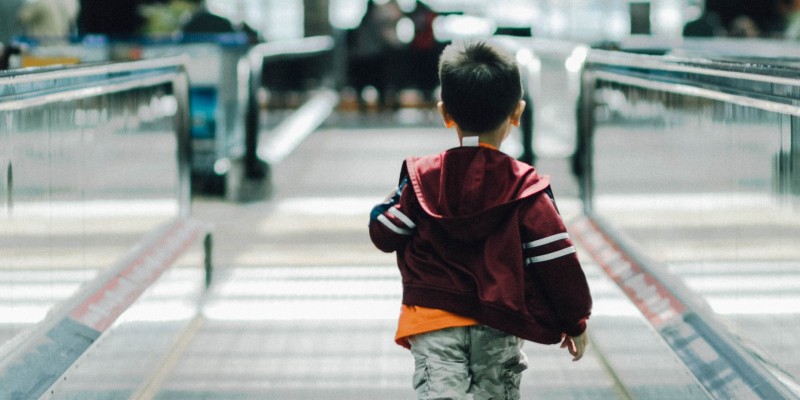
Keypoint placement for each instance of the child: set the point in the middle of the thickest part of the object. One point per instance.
(485, 259)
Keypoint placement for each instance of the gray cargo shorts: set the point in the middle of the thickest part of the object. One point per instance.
(467, 363)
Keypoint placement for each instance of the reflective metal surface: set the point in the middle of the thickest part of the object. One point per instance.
(703, 179)
(89, 164)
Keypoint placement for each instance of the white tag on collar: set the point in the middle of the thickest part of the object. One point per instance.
(470, 141)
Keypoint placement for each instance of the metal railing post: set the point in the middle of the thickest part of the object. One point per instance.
(583, 159)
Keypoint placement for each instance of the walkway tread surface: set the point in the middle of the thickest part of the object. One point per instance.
(306, 307)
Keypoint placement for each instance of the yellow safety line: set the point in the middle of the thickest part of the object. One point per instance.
(619, 387)
(152, 385)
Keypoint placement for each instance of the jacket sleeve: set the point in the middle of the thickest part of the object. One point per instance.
(550, 254)
(390, 223)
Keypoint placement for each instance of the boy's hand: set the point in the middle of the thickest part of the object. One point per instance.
(576, 345)
(389, 196)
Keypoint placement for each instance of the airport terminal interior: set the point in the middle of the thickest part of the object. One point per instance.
(187, 189)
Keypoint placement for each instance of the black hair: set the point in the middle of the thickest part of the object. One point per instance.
(480, 85)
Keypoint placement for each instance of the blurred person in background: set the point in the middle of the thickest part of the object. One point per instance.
(744, 27)
(425, 50)
(791, 10)
(707, 25)
(371, 50)
(202, 21)
(118, 18)
(10, 27)
(164, 19)
(48, 18)
(742, 18)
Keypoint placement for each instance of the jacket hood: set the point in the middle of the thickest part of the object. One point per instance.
(470, 190)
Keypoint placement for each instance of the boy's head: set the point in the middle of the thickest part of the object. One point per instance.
(480, 85)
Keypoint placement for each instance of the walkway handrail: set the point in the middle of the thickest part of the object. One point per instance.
(41, 75)
(252, 67)
(678, 311)
(756, 70)
(41, 86)
(755, 84)
(750, 84)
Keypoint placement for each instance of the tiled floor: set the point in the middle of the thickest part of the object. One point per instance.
(318, 350)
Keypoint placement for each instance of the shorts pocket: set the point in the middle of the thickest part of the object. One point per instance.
(517, 363)
(512, 381)
(421, 379)
(512, 374)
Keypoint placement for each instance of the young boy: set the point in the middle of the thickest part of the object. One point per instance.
(485, 258)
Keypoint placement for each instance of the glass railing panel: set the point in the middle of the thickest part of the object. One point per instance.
(708, 187)
(89, 166)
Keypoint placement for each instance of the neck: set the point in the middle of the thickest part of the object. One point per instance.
(491, 139)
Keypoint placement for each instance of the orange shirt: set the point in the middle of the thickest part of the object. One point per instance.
(415, 320)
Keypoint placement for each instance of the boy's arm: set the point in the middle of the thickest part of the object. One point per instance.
(389, 222)
(549, 251)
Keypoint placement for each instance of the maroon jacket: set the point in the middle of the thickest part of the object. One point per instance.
(477, 233)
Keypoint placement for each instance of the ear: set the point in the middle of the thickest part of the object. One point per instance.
(448, 121)
(516, 115)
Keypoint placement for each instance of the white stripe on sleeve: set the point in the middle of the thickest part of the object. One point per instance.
(402, 217)
(394, 228)
(547, 240)
(551, 256)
